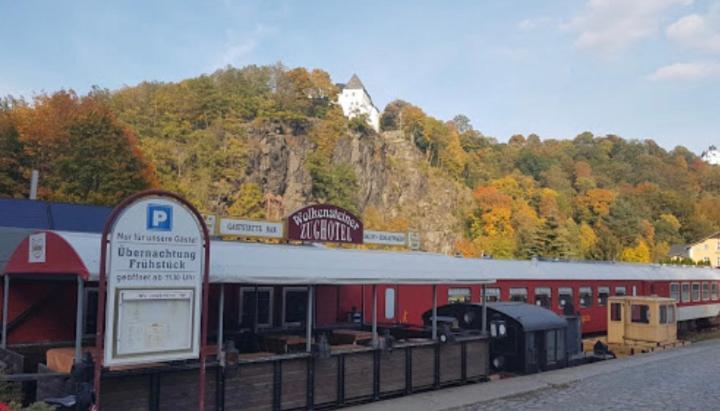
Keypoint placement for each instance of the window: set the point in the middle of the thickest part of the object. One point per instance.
(620, 291)
(519, 294)
(492, 294)
(714, 293)
(550, 345)
(685, 292)
(696, 291)
(248, 302)
(706, 260)
(389, 303)
(670, 314)
(294, 305)
(90, 307)
(675, 291)
(564, 296)
(639, 313)
(705, 291)
(458, 295)
(543, 296)
(585, 296)
(718, 262)
(615, 312)
(663, 314)
(603, 294)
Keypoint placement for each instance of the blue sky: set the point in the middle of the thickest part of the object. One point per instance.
(636, 68)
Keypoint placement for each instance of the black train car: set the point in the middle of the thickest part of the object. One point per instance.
(525, 338)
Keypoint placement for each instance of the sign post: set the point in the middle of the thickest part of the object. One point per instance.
(153, 286)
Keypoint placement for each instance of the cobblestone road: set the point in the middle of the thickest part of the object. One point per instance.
(684, 382)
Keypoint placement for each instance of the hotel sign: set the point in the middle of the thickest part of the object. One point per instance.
(324, 223)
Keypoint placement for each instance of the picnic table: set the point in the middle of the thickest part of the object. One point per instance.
(284, 343)
(342, 336)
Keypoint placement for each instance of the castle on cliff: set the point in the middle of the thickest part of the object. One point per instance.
(355, 100)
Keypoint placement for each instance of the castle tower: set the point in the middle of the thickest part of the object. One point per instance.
(355, 100)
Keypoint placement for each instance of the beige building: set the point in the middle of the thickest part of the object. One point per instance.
(706, 250)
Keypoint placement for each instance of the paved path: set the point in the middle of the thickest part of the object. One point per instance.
(686, 378)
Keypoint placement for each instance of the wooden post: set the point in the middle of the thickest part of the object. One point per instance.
(434, 313)
(374, 317)
(79, 319)
(308, 328)
(484, 311)
(221, 323)
(6, 304)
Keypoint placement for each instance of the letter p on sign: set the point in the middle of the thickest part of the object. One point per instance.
(159, 217)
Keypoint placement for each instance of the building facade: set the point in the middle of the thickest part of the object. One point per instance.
(706, 250)
(355, 101)
(711, 155)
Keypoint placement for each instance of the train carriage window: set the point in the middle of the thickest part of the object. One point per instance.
(492, 294)
(696, 291)
(663, 314)
(458, 295)
(90, 309)
(675, 291)
(389, 303)
(603, 294)
(585, 296)
(543, 296)
(550, 338)
(714, 293)
(294, 306)
(685, 292)
(705, 291)
(248, 304)
(615, 312)
(640, 313)
(620, 291)
(564, 296)
(519, 294)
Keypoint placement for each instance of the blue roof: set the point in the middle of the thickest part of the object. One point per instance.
(73, 217)
(44, 215)
(24, 214)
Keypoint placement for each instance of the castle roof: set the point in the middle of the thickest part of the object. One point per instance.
(355, 83)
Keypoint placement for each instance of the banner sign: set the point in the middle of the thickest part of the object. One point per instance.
(384, 238)
(251, 228)
(154, 268)
(324, 223)
(36, 248)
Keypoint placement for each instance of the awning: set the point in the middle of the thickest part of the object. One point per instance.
(254, 263)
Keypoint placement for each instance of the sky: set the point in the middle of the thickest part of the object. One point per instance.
(635, 68)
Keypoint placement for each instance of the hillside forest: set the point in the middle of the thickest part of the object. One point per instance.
(590, 197)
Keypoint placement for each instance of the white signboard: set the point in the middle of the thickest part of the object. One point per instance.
(384, 238)
(37, 248)
(414, 240)
(154, 271)
(251, 228)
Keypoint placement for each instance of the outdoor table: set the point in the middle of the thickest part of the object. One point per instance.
(350, 336)
(281, 344)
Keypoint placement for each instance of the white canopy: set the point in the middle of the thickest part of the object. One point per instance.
(255, 263)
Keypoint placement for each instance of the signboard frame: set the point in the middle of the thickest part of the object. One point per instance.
(102, 283)
(333, 221)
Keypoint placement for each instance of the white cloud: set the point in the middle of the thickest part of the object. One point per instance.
(533, 24)
(240, 46)
(610, 26)
(686, 71)
(698, 31)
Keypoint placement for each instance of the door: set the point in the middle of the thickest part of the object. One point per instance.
(540, 351)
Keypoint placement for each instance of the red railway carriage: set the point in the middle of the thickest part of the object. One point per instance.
(550, 284)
